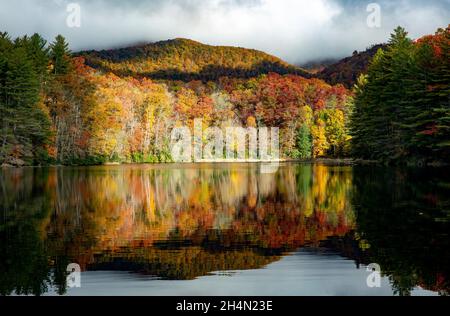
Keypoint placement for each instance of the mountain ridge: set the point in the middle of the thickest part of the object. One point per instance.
(186, 60)
(182, 59)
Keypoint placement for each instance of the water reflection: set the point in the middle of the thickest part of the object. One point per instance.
(404, 217)
(182, 222)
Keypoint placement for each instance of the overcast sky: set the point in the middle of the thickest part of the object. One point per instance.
(295, 30)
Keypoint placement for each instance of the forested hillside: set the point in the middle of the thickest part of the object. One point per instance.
(347, 70)
(120, 105)
(61, 110)
(186, 60)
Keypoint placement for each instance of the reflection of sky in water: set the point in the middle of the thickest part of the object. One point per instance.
(302, 273)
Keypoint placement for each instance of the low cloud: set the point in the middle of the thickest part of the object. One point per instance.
(295, 30)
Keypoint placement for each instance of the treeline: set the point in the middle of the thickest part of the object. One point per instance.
(57, 109)
(402, 105)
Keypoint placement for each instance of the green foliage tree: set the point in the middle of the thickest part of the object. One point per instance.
(37, 51)
(24, 125)
(304, 143)
(59, 52)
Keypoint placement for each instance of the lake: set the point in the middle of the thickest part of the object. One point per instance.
(225, 229)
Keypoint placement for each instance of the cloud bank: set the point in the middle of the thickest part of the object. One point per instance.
(295, 30)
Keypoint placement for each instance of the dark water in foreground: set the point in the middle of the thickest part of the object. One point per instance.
(225, 230)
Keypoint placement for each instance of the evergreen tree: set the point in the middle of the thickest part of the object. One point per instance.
(402, 106)
(59, 52)
(39, 54)
(24, 125)
(304, 142)
(431, 121)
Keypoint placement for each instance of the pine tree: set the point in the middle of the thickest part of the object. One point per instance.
(59, 52)
(402, 108)
(24, 125)
(431, 123)
(39, 54)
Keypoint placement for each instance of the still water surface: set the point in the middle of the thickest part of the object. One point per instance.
(224, 229)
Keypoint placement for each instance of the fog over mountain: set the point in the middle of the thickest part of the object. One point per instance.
(295, 30)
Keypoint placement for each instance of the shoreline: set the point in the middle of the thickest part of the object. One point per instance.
(327, 161)
(323, 161)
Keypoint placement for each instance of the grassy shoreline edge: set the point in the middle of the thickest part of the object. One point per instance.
(323, 161)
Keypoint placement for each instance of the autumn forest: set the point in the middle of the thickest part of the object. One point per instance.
(90, 186)
(94, 107)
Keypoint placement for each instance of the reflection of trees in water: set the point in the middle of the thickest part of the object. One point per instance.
(149, 204)
(408, 228)
(25, 266)
(183, 263)
(174, 223)
(403, 221)
(186, 222)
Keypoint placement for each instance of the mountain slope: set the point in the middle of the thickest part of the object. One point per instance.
(186, 60)
(316, 66)
(347, 70)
